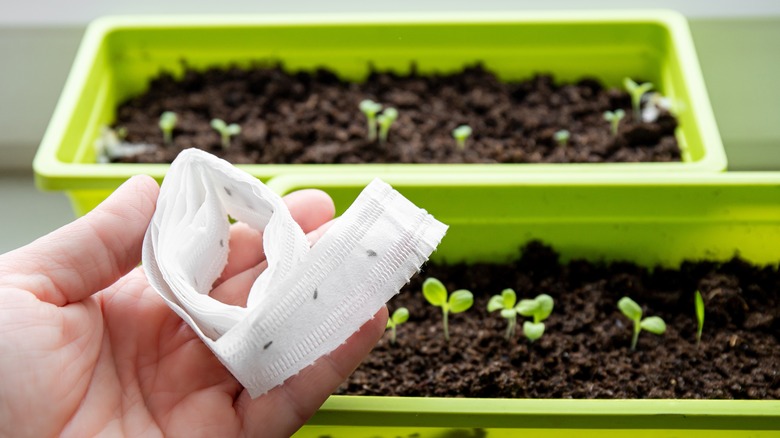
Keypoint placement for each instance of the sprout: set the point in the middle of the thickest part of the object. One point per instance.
(225, 130)
(506, 303)
(436, 294)
(540, 308)
(614, 119)
(562, 137)
(121, 133)
(460, 134)
(370, 108)
(167, 123)
(385, 120)
(400, 316)
(653, 324)
(699, 301)
(636, 91)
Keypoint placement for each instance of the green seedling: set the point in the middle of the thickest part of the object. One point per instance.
(121, 133)
(539, 308)
(506, 303)
(562, 137)
(461, 134)
(699, 302)
(385, 120)
(225, 131)
(652, 324)
(400, 316)
(436, 294)
(168, 121)
(636, 91)
(614, 118)
(370, 109)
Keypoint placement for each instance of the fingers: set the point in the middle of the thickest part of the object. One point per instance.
(88, 254)
(235, 289)
(286, 408)
(315, 235)
(310, 208)
(245, 249)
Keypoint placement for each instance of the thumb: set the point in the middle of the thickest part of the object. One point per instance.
(89, 254)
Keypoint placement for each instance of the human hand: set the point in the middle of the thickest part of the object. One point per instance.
(89, 348)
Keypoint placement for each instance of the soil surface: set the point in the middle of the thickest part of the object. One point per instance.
(313, 117)
(585, 351)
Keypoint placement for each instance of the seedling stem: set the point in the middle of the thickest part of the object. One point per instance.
(370, 109)
(385, 120)
(562, 137)
(614, 117)
(436, 294)
(636, 91)
(168, 121)
(539, 308)
(400, 316)
(461, 134)
(506, 304)
(653, 324)
(225, 131)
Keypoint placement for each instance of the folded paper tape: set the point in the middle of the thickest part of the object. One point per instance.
(309, 300)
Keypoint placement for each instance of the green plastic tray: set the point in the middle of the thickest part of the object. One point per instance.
(652, 220)
(119, 55)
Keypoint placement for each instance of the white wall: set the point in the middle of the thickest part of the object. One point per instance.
(34, 62)
(39, 38)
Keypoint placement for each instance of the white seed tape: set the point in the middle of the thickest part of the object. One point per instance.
(310, 299)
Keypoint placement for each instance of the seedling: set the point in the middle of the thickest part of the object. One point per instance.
(652, 324)
(370, 109)
(385, 120)
(436, 294)
(400, 316)
(699, 301)
(225, 131)
(562, 137)
(167, 123)
(636, 91)
(539, 308)
(121, 133)
(614, 118)
(506, 303)
(460, 134)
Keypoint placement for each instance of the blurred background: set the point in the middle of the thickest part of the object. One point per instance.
(737, 44)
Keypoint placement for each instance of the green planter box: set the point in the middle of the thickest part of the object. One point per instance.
(118, 56)
(643, 218)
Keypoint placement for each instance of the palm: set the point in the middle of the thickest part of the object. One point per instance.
(120, 361)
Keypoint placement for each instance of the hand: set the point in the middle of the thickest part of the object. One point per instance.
(88, 348)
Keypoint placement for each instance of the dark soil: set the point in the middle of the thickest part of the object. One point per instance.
(585, 351)
(313, 117)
